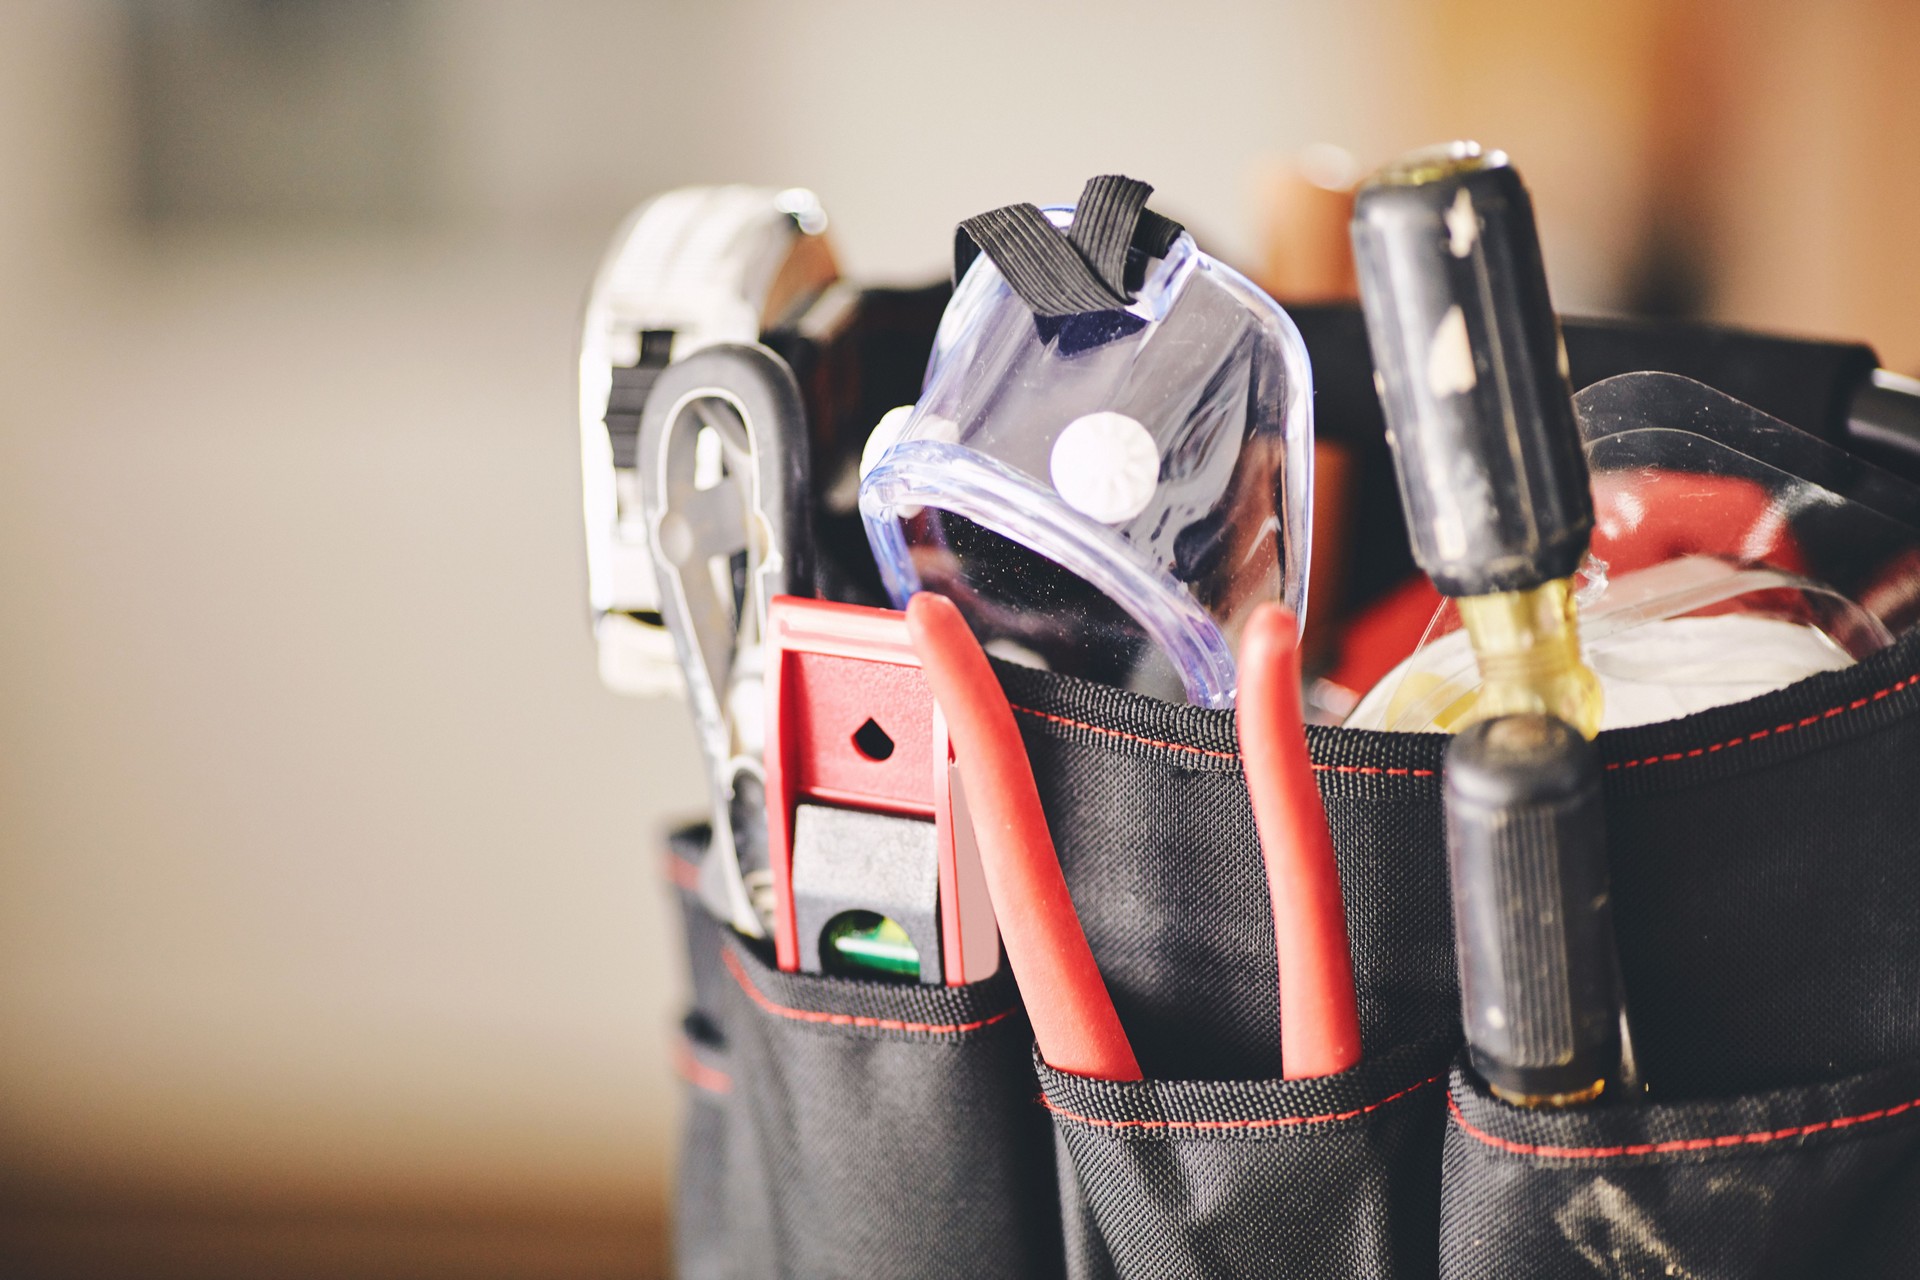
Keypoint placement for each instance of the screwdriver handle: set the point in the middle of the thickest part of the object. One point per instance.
(1526, 844)
(1471, 372)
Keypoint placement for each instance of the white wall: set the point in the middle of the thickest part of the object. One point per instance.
(908, 117)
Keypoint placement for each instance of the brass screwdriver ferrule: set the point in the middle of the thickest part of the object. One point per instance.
(1550, 1101)
(1527, 645)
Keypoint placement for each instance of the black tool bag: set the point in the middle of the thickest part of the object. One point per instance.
(1767, 901)
(1765, 860)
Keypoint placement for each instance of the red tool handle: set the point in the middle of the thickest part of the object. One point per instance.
(1067, 1001)
(1319, 1021)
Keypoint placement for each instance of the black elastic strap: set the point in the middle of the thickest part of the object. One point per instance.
(1040, 265)
(1076, 272)
(1155, 233)
(1103, 223)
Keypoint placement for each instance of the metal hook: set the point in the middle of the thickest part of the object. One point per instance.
(723, 463)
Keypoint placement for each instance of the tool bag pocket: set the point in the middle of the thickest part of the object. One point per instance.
(1326, 1178)
(704, 1204)
(1812, 1181)
(710, 1195)
(882, 1129)
(715, 1196)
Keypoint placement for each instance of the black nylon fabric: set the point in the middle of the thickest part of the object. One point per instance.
(1764, 886)
(1086, 1250)
(706, 979)
(720, 1198)
(881, 1129)
(1822, 1180)
(1149, 813)
(704, 1210)
(1217, 1180)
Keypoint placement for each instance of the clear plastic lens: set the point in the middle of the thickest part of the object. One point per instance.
(1112, 492)
(1732, 555)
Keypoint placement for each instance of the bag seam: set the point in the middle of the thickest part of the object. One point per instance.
(1211, 753)
(697, 1073)
(1858, 703)
(770, 1005)
(1667, 757)
(1720, 1142)
(682, 873)
(1270, 1122)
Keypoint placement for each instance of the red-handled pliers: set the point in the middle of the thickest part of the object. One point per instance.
(1067, 1001)
(1319, 1019)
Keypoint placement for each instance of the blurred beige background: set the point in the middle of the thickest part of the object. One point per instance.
(331, 941)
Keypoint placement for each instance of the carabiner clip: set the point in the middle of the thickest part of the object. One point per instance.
(722, 461)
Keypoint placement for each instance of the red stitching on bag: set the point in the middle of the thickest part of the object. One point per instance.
(1277, 1122)
(1665, 758)
(1676, 1144)
(1130, 737)
(699, 1074)
(681, 872)
(1210, 753)
(851, 1020)
(1758, 734)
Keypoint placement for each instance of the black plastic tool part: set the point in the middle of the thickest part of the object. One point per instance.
(1526, 845)
(627, 398)
(1471, 373)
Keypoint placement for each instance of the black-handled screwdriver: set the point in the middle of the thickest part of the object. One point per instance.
(1540, 985)
(1472, 377)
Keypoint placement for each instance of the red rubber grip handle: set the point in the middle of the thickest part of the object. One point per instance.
(1319, 1020)
(1067, 1001)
